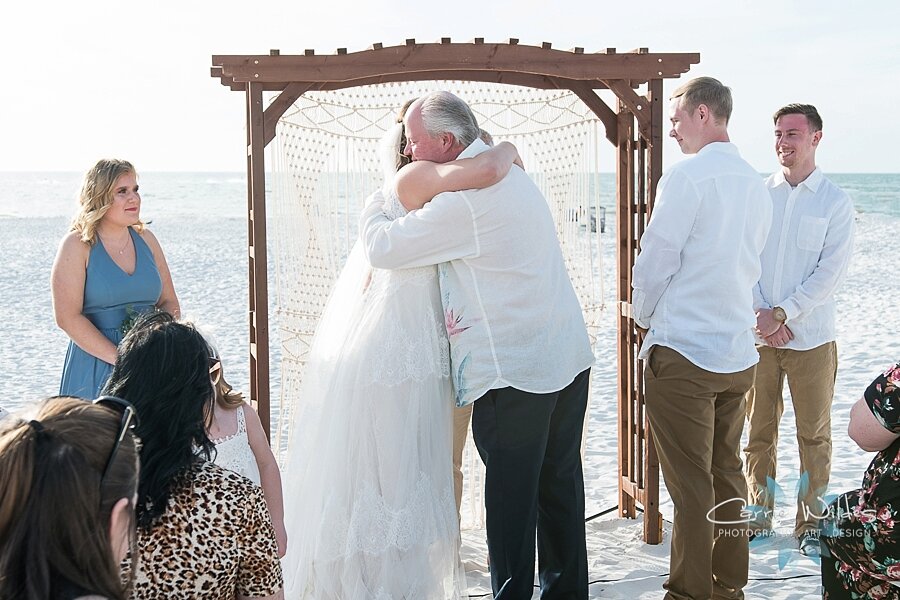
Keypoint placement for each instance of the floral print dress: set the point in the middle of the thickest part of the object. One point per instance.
(861, 535)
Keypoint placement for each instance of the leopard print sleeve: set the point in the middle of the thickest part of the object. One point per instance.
(259, 571)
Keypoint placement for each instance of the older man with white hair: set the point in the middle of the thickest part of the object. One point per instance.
(519, 348)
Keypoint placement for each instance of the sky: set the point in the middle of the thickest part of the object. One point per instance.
(89, 79)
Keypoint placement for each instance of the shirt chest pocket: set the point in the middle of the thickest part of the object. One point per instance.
(811, 235)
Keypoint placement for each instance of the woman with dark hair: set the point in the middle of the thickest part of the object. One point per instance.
(69, 479)
(203, 531)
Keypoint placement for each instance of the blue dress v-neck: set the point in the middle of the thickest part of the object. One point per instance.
(112, 297)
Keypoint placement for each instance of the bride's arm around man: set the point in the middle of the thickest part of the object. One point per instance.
(519, 347)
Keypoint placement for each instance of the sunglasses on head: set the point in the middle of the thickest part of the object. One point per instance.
(215, 369)
(128, 421)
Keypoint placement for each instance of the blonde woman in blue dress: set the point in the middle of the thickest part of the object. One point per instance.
(369, 503)
(109, 268)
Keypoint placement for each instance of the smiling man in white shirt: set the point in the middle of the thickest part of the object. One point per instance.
(693, 302)
(518, 345)
(804, 261)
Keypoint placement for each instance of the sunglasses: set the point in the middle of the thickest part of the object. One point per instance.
(129, 421)
(215, 370)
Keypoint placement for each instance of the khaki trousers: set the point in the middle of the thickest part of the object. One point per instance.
(461, 418)
(810, 375)
(696, 418)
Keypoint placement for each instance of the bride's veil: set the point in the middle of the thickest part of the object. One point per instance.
(338, 318)
(389, 152)
(336, 338)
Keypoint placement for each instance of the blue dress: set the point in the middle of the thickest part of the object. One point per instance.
(112, 298)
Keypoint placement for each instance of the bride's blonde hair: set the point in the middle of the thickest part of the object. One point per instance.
(96, 196)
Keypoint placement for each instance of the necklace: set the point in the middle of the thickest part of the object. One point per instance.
(121, 250)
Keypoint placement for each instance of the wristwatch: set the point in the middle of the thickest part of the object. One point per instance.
(779, 315)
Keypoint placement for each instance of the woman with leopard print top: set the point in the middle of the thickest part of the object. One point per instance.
(203, 532)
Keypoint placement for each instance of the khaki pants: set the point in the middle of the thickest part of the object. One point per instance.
(461, 418)
(810, 375)
(696, 418)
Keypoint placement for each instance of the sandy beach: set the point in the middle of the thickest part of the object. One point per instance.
(620, 565)
(86, 82)
(209, 266)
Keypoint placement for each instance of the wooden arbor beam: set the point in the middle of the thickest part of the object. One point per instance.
(275, 110)
(414, 58)
(637, 105)
(606, 115)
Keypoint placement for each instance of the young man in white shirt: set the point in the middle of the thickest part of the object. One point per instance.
(693, 305)
(518, 345)
(804, 261)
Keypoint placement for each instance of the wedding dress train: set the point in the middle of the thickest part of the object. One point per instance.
(369, 504)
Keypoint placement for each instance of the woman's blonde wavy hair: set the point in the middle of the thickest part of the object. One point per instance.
(96, 196)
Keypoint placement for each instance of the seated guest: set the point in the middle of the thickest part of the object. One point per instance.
(203, 532)
(860, 535)
(242, 446)
(69, 480)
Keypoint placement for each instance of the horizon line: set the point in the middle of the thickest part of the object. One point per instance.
(80, 172)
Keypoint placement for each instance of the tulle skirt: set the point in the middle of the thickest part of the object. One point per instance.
(369, 504)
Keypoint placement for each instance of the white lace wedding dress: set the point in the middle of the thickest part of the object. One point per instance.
(369, 504)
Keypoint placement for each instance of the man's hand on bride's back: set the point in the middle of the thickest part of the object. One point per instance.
(508, 146)
(519, 162)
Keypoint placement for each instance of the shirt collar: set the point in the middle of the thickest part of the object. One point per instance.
(812, 182)
(726, 147)
(473, 149)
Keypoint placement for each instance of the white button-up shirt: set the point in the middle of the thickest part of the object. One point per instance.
(699, 262)
(511, 313)
(806, 255)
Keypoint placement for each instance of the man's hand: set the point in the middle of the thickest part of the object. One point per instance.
(781, 337)
(641, 334)
(766, 325)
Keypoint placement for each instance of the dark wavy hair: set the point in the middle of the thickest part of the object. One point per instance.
(54, 511)
(162, 367)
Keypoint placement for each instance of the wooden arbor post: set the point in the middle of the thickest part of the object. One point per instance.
(639, 168)
(634, 128)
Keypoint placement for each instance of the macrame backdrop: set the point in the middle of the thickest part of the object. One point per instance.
(326, 164)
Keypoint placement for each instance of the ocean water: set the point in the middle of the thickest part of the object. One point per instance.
(872, 193)
(200, 220)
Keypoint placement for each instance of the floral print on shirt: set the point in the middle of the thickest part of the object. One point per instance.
(455, 323)
(861, 534)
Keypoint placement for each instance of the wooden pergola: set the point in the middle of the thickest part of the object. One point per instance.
(635, 126)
